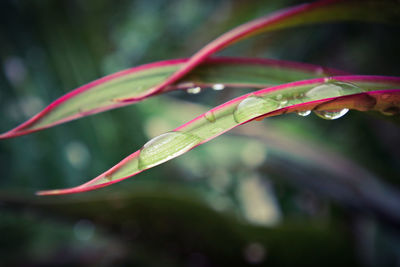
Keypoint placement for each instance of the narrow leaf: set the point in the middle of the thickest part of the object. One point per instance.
(303, 14)
(135, 83)
(329, 97)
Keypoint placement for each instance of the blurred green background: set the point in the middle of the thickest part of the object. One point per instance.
(286, 191)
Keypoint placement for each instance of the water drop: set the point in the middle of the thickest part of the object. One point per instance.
(165, 147)
(332, 88)
(324, 91)
(253, 106)
(331, 114)
(218, 86)
(209, 115)
(279, 97)
(304, 113)
(193, 90)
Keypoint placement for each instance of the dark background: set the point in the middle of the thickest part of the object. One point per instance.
(286, 191)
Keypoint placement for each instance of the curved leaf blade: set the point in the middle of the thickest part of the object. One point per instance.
(103, 94)
(352, 92)
(318, 12)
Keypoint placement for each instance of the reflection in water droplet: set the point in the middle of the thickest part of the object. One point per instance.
(165, 147)
(193, 90)
(218, 86)
(253, 106)
(331, 114)
(304, 113)
(209, 115)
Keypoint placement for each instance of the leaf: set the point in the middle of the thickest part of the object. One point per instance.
(130, 86)
(303, 14)
(324, 95)
(135, 83)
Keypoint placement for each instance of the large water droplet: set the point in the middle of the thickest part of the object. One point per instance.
(332, 88)
(253, 106)
(218, 86)
(331, 114)
(165, 147)
(304, 113)
(193, 90)
(209, 115)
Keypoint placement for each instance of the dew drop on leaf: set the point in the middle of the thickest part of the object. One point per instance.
(331, 114)
(304, 113)
(193, 90)
(209, 115)
(332, 89)
(253, 106)
(165, 147)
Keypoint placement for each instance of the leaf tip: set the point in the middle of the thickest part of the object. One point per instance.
(47, 192)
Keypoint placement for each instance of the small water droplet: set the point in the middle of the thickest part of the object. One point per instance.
(253, 106)
(278, 97)
(165, 147)
(304, 113)
(193, 90)
(218, 86)
(331, 114)
(209, 115)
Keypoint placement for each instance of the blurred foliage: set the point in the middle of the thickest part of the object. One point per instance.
(241, 199)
